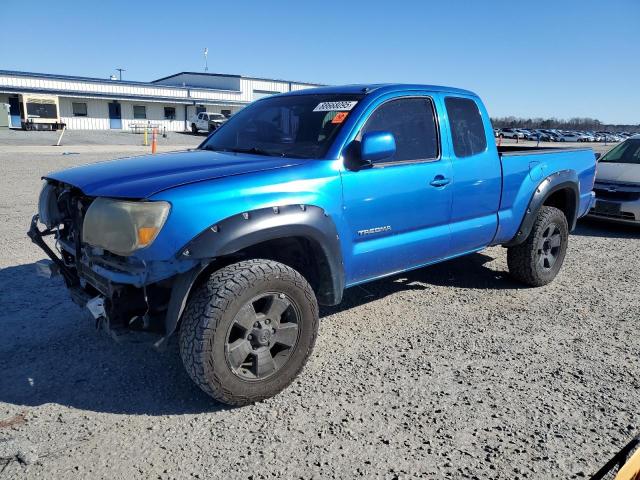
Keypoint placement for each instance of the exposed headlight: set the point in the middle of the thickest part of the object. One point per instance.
(48, 210)
(122, 227)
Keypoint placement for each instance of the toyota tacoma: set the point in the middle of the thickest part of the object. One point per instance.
(296, 198)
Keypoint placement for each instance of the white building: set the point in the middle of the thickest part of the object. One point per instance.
(99, 104)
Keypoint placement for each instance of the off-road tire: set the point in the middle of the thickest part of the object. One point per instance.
(524, 259)
(211, 311)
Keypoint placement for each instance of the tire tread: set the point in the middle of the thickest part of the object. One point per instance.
(205, 309)
(521, 258)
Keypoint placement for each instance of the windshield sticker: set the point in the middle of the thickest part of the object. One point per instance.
(344, 106)
(340, 117)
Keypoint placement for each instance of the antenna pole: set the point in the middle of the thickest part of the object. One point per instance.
(120, 70)
(206, 55)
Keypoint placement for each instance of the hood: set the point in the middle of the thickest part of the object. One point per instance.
(610, 172)
(141, 177)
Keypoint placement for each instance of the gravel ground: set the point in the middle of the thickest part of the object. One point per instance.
(96, 137)
(452, 371)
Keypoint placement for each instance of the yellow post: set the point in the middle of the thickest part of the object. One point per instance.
(146, 137)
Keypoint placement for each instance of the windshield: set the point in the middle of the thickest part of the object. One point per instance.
(300, 126)
(627, 152)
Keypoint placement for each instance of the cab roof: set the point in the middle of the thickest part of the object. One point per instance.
(378, 88)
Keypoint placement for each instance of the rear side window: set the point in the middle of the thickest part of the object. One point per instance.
(412, 123)
(467, 129)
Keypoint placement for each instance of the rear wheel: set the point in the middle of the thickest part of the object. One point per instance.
(538, 260)
(248, 331)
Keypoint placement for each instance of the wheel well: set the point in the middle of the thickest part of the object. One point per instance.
(564, 200)
(300, 253)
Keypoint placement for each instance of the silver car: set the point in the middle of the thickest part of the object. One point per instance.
(617, 184)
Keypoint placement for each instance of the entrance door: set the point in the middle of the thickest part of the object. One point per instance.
(115, 116)
(14, 111)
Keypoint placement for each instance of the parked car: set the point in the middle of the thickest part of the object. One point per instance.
(216, 120)
(298, 197)
(598, 137)
(553, 136)
(206, 121)
(569, 137)
(585, 137)
(617, 186)
(539, 135)
(510, 133)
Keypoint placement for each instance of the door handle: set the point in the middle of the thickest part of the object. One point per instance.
(440, 181)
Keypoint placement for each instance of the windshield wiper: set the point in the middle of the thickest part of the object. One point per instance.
(252, 150)
(256, 151)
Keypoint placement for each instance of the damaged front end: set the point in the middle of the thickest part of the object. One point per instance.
(121, 292)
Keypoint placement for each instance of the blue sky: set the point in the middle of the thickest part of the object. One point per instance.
(560, 58)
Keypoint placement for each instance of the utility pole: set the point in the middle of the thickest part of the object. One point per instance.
(206, 55)
(120, 70)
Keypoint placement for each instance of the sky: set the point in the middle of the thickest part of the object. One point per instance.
(543, 58)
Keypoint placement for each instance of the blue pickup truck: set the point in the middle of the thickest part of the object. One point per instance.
(297, 197)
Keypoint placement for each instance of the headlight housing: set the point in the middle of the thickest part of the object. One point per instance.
(48, 210)
(121, 226)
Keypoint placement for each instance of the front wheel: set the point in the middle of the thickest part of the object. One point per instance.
(248, 331)
(537, 261)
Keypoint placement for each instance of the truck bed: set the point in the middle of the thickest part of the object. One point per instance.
(523, 168)
(524, 150)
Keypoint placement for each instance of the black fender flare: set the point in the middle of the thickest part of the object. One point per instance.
(562, 180)
(250, 228)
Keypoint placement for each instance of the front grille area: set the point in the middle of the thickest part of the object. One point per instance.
(620, 215)
(621, 196)
(96, 281)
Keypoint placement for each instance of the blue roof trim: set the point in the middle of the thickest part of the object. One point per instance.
(51, 76)
(121, 96)
(227, 75)
(153, 83)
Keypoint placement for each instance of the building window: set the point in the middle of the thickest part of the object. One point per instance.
(139, 112)
(226, 113)
(169, 113)
(79, 109)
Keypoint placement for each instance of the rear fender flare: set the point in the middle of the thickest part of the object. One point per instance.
(564, 179)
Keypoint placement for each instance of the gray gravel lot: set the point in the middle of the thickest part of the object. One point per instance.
(452, 371)
(10, 137)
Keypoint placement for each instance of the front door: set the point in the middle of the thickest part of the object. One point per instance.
(14, 112)
(398, 211)
(115, 115)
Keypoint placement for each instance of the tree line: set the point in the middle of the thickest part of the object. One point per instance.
(577, 123)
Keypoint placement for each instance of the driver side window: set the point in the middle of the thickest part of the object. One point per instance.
(412, 122)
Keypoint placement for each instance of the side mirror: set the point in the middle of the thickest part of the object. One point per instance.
(598, 155)
(376, 146)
